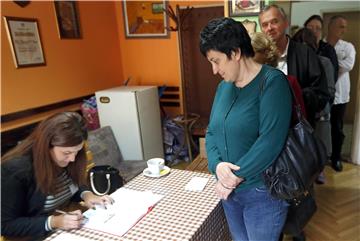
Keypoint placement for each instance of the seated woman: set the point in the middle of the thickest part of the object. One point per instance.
(42, 173)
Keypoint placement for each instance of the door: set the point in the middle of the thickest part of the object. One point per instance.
(352, 35)
(199, 82)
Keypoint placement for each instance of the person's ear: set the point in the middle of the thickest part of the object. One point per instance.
(286, 23)
(236, 54)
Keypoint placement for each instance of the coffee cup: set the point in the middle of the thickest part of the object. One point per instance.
(155, 165)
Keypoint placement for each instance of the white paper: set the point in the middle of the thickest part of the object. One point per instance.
(196, 184)
(129, 207)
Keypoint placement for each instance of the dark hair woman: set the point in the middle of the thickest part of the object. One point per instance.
(248, 126)
(42, 173)
(315, 24)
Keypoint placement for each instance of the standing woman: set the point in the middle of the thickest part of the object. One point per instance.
(42, 173)
(265, 49)
(248, 127)
(315, 24)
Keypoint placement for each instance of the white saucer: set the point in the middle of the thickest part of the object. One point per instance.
(163, 172)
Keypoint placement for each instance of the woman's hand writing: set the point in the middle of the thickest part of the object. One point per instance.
(71, 220)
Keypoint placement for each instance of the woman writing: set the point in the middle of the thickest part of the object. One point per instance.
(248, 126)
(42, 173)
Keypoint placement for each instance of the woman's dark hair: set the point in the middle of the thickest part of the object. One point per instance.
(65, 129)
(225, 35)
(306, 36)
(314, 17)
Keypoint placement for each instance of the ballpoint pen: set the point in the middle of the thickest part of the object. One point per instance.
(63, 212)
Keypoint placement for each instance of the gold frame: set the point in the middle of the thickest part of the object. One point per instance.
(26, 44)
(141, 21)
(237, 9)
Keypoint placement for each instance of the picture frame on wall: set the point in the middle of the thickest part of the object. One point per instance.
(67, 18)
(239, 8)
(157, 8)
(145, 19)
(249, 25)
(25, 41)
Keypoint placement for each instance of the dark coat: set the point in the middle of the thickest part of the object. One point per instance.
(21, 203)
(304, 64)
(328, 51)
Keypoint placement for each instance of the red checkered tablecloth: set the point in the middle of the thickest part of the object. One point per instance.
(180, 215)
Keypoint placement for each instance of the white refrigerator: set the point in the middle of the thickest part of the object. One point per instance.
(133, 113)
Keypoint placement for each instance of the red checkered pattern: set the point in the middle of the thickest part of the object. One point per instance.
(180, 215)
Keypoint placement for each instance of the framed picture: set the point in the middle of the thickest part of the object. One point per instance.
(25, 41)
(145, 19)
(239, 8)
(67, 19)
(249, 25)
(157, 8)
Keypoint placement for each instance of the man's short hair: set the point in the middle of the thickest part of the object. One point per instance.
(334, 18)
(280, 9)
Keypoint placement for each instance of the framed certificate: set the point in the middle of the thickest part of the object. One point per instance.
(24, 38)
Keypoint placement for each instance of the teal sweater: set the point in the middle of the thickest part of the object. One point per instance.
(248, 126)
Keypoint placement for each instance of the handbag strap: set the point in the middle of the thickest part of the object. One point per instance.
(93, 185)
(297, 105)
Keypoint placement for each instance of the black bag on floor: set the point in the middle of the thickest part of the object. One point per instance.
(299, 214)
(104, 179)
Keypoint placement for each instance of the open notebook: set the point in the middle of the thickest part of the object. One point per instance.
(129, 207)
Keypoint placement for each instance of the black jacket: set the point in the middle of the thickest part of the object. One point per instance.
(21, 204)
(328, 51)
(304, 64)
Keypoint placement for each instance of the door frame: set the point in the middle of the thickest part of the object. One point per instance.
(355, 143)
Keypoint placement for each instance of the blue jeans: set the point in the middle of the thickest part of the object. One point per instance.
(254, 215)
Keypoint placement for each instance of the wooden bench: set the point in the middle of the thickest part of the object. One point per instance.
(17, 126)
(33, 118)
(200, 163)
(169, 100)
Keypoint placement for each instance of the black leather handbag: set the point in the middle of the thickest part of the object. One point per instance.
(104, 179)
(299, 163)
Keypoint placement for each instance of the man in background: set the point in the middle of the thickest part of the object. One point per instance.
(299, 61)
(345, 52)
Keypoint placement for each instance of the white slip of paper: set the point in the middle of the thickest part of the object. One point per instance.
(129, 207)
(196, 184)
